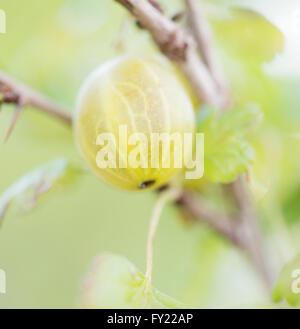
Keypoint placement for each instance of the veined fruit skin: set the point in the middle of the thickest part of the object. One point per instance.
(144, 95)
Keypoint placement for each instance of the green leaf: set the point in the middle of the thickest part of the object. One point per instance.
(246, 34)
(27, 190)
(288, 283)
(114, 282)
(228, 152)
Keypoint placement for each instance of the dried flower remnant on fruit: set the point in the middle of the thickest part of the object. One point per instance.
(146, 184)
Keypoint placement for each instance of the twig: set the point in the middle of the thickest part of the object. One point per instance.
(252, 237)
(204, 38)
(225, 225)
(178, 45)
(17, 93)
(242, 231)
(249, 232)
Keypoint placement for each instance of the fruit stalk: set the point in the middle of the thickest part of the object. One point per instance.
(168, 195)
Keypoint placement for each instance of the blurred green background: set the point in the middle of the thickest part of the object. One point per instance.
(52, 46)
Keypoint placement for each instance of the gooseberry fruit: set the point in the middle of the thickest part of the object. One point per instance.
(143, 95)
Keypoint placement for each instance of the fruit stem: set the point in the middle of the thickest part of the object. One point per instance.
(168, 195)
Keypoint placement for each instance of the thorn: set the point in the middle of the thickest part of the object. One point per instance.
(177, 17)
(13, 121)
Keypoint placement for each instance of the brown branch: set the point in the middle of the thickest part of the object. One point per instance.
(242, 231)
(211, 87)
(17, 93)
(252, 237)
(204, 38)
(178, 45)
(226, 226)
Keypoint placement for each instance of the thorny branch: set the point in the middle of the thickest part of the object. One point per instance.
(210, 86)
(178, 45)
(203, 35)
(252, 237)
(225, 225)
(14, 92)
